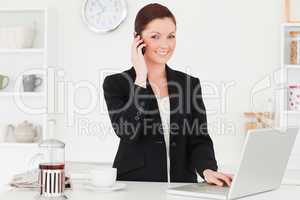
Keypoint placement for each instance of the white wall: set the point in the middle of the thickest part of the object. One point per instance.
(218, 41)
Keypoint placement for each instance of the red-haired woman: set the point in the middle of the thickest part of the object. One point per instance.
(158, 112)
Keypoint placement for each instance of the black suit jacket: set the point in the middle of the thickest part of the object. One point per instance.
(133, 111)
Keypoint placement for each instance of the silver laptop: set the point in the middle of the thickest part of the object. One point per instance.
(262, 166)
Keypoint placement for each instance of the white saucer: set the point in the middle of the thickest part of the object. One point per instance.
(115, 186)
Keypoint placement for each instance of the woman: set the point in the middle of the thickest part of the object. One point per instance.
(157, 112)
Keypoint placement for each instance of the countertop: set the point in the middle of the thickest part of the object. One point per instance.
(144, 191)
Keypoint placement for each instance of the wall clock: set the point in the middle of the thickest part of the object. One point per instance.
(104, 15)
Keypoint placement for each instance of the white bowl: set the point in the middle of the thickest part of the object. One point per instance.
(16, 37)
(105, 177)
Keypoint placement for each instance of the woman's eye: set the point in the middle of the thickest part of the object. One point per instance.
(172, 36)
(155, 37)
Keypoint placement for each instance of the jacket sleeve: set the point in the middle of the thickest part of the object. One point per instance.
(200, 144)
(126, 111)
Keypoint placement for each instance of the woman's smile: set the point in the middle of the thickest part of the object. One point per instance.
(162, 53)
(160, 40)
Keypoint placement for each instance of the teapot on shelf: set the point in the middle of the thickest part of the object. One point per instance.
(24, 132)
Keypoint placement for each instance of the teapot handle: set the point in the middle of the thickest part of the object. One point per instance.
(9, 130)
(38, 133)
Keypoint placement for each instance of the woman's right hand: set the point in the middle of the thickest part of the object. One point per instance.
(138, 61)
(217, 178)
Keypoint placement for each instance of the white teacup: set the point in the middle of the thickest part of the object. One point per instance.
(104, 177)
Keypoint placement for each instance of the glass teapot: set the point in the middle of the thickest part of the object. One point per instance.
(52, 168)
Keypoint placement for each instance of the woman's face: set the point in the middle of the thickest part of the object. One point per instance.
(160, 39)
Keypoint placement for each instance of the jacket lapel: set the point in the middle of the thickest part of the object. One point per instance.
(173, 84)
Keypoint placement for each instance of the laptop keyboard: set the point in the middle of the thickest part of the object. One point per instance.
(214, 189)
(205, 188)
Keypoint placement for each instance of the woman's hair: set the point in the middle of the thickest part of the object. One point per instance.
(150, 12)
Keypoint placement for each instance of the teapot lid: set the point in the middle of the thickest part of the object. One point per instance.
(52, 143)
(25, 123)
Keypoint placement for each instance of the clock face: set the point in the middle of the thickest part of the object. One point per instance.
(104, 15)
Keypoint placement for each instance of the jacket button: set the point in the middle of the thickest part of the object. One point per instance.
(136, 118)
(139, 113)
(173, 144)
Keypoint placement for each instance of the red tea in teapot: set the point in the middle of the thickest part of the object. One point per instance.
(52, 179)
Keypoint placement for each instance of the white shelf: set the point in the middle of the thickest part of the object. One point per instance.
(292, 112)
(291, 24)
(25, 94)
(16, 61)
(15, 144)
(290, 75)
(292, 66)
(23, 9)
(28, 50)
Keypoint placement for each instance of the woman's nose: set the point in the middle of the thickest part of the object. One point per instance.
(164, 44)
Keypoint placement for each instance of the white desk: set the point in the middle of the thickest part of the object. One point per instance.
(146, 191)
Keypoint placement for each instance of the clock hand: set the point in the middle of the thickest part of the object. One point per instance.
(100, 4)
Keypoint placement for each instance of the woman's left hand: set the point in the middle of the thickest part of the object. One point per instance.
(217, 178)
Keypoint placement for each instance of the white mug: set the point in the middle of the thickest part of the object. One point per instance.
(104, 177)
(294, 97)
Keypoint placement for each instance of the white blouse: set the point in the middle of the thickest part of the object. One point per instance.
(164, 110)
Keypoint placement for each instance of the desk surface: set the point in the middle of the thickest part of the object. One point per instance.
(145, 191)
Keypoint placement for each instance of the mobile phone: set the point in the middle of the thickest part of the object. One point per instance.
(144, 48)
